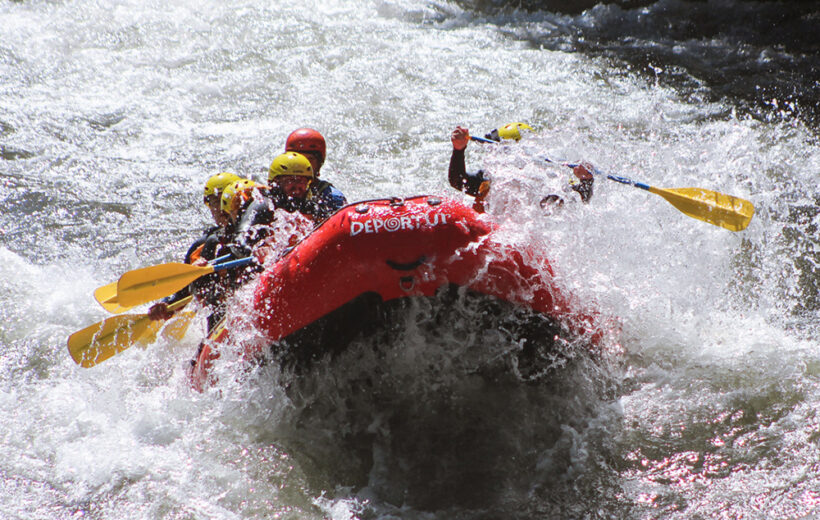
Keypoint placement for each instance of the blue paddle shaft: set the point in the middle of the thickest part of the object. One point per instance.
(622, 180)
(596, 171)
(220, 259)
(233, 263)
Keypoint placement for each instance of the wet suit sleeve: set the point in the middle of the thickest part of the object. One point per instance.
(252, 228)
(460, 179)
(196, 245)
(336, 199)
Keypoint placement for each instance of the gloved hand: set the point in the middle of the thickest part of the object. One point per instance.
(159, 311)
(460, 137)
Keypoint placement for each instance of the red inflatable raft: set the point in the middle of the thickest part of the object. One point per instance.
(380, 251)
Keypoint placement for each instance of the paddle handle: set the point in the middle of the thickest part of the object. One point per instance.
(232, 264)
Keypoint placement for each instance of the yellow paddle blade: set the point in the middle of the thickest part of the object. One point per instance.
(95, 344)
(716, 208)
(155, 282)
(107, 338)
(174, 330)
(178, 326)
(107, 297)
(150, 334)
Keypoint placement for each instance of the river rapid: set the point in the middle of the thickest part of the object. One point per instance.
(704, 405)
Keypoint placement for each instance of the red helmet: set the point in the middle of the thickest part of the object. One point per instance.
(306, 140)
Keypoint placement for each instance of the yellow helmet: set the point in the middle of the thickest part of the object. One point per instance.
(241, 187)
(509, 131)
(290, 163)
(218, 182)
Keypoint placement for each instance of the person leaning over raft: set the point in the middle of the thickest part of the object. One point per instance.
(235, 200)
(477, 184)
(290, 178)
(212, 244)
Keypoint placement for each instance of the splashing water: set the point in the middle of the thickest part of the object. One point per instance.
(112, 117)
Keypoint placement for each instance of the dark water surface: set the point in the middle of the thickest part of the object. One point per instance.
(761, 57)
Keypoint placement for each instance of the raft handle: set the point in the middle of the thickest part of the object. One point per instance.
(407, 283)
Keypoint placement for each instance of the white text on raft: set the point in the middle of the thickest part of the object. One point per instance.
(377, 225)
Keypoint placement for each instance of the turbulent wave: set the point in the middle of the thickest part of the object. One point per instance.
(112, 116)
(478, 417)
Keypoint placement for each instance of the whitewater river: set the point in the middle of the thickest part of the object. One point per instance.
(705, 405)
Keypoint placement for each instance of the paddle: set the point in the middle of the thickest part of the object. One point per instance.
(174, 330)
(107, 297)
(716, 208)
(107, 294)
(98, 342)
(157, 281)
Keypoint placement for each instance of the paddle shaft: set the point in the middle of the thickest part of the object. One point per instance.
(233, 263)
(596, 171)
(622, 180)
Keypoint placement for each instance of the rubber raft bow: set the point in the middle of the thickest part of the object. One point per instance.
(380, 251)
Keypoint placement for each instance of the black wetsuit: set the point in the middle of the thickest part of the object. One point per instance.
(461, 179)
